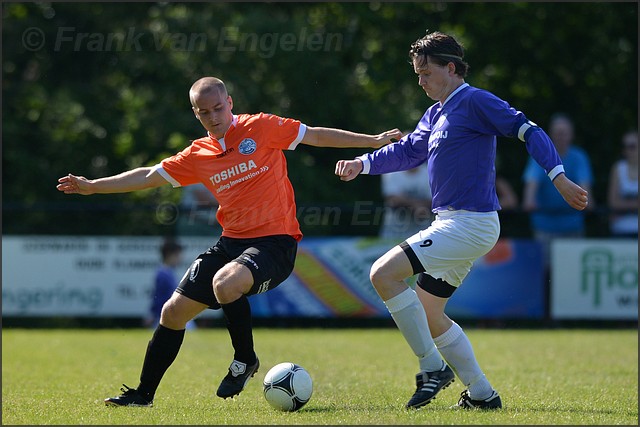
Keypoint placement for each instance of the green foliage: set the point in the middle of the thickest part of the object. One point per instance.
(106, 90)
(361, 377)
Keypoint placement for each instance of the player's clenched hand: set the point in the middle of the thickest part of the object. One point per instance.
(72, 184)
(387, 137)
(571, 192)
(348, 169)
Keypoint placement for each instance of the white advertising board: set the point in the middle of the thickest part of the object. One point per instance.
(68, 276)
(85, 276)
(594, 279)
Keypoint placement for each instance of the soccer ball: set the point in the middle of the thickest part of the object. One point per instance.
(287, 386)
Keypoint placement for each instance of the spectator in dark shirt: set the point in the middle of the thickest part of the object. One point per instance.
(165, 281)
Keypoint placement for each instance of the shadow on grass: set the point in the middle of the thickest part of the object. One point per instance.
(369, 408)
(576, 410)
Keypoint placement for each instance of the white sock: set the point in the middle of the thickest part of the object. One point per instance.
(455, 348)
(409, 315)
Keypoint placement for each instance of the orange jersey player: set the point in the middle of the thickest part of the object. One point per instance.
(241, 161)
(246, 170)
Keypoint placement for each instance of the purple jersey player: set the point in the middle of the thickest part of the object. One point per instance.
(457, 138)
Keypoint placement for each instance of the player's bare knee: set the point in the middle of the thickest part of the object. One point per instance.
(379, 274)
(225, 294)
(168, 310)
(221, 290)
(170, 315)
(226, 286)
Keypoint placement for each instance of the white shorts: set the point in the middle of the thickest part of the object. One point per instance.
(448, 248)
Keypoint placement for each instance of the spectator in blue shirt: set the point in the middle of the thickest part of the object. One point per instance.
(165, 281)
(551, 217)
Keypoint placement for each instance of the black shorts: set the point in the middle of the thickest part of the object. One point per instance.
(270, 259)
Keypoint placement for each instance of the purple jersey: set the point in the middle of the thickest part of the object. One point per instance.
(457, 139)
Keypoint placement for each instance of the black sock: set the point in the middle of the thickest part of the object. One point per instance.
(161, 352)
(238, 319)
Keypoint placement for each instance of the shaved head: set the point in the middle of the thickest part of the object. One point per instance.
(207, 85)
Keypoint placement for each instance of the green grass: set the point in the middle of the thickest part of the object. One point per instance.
(361, 376)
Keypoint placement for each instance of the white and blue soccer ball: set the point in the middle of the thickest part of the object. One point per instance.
(287, 386)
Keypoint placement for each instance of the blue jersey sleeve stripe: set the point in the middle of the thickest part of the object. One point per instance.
(524, 129)
(366, 164)
(555, 172)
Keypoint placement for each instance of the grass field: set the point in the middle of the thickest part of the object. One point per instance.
(361, 376)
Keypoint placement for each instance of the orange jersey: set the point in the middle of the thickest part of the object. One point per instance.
(246, 171)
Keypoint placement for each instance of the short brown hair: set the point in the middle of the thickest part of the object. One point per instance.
(442, 49)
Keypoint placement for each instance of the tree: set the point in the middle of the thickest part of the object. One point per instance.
(98, 88)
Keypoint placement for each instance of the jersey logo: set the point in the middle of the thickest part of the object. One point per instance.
(224, 153)
(441, 121)
(237, 368)
(247, 146)
(437, 133)
(440, 134)
(233, 171)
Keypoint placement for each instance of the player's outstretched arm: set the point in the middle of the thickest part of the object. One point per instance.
(338, 138)
(576, 196)
(136, 179)
(348, 169)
